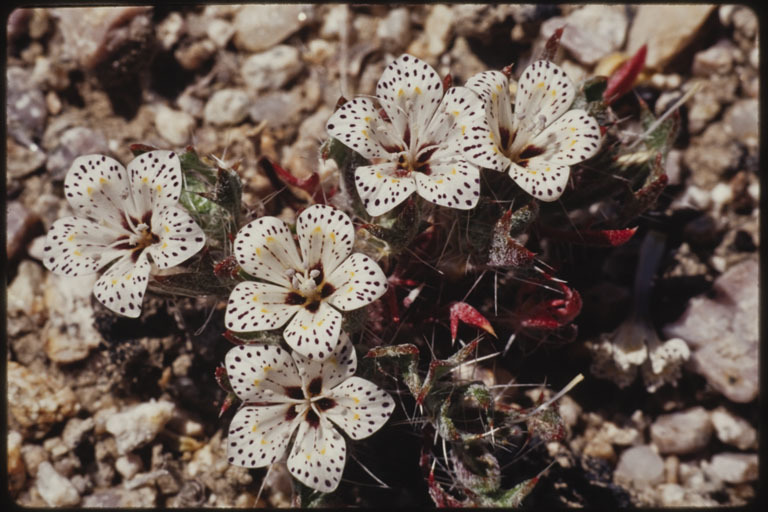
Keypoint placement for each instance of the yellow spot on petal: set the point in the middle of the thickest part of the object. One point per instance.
(270, 239)
(547, 169)
(102, 181)
(165, 245)
(263, 442)
(309, 456)
(264, 310)
(255, 298)
(367, 119)
(258, 252)
(490, 135)
(394, 180)
(498, 87)
(166, 228)
(267, 368)
(453, 171)
(494, 96)
(495, 149)
(320, 323)
(305, 327)
(573, 141)
(463, 129)
(332, 235)
(540, 85)
(89, 190)
(145, 180)
(417, 90)
(554, 93)
(159, 188)
(256, 382)
(71, 237)
(255, 427)
(356, 417)
(357, 400)
(365, 132)
(400, 93)
(322, 452)
(127, 276)
(378, 175)
(440, 182)
(351, 273)
(455, 112)
(114, 282)
(333, 360)
(318, 229)
(350, 289)
(573, 128)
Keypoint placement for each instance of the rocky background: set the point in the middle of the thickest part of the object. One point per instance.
(110, 412)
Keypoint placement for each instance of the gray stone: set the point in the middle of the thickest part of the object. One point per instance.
(731, 367)
(477, 20)
(433, 40)
(56, 490)
(682, 432)
(394, 30)
(733, 430)
(277, 108)
(19, 224)
(731, 314)
(139, 424)
(74, 431)
(128, 465)
(742, 120)
(666, 29)
(272, 69)
(639, 467)
(22, 160)
(227, 107)
(734, 468)
(220, 31)
(170, 30)
(70, 335)
(258, 27)
(75, 142)
(671, 495)
(336, 19)
(17, 473)
(33, 455)
(26, 111)
(144, 497)
(717, 59)
(173, 125)
(591, 32)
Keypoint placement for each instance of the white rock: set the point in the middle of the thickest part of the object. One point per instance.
(139, 424)
(682, 432)
(56, 490)
(591, 32)
(335, 20)
(664, 364)
(175, 126)
(734, 468)
(70, 334)
(170, 30)
(671, 495)
(666, 29)
(220, 31)
(272, 69)
(733, 430)
(639, 467)
(128, 465)
(258, 27)
(227, 107)
(394, 31)
(433, 39)
(721, 194)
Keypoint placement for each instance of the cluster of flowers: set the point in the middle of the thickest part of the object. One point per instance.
(418, 138)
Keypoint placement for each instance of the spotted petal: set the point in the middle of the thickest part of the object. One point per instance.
(544, 93)
(155, 180)
(261, 373)
(493, 89)
(361, 407)
(455, 185)
(325, 236)
(571, 139)
(379, 188)
(76, 247)
(179, 237)
(98, 187)
(358, 282)
(256, 306)
(410, 85)
(340, 365)
(121, 288)
(258, 436)
(265, 249)
(314, 335)
(318, 454)
(541, 179)
(358, 125)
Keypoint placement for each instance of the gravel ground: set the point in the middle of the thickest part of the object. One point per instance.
(111, 412)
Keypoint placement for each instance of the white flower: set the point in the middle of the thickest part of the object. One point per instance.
(417, 145)
(542, 139)
(283, 392)
(129, 216)
(309, 288)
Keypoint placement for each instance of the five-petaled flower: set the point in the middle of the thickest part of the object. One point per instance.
(415, 144)
(542, 138)
(309, 288)
(283, 392)
(130, 217)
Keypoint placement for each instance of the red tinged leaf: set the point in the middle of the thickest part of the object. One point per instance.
(447, 82)
(341, 101)
(228, 401)
(138, 149)
(220, 373)
(393, 351)
(230, 336)
(469, 315)
(595, 238)
(553, 44)
(227, 267)
(623, 79)
(507, 70)
(307, 184)
(553, 314)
